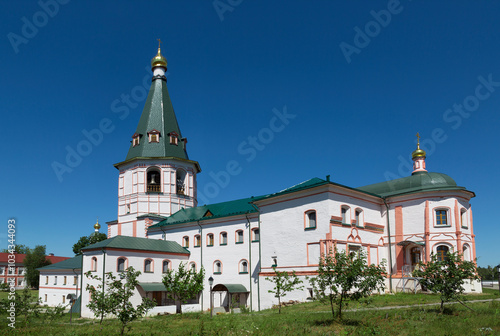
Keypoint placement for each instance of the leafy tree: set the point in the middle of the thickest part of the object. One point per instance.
(487, 273)
(34, 259)
(447, 276)
(344, 277)
(20, 248)
(88, 240)
(116, 298)
(24, 305)
(183, 285)
(283, 284)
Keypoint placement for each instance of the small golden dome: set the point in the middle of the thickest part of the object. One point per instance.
(417, 153)
(97, 226)
(159, 60)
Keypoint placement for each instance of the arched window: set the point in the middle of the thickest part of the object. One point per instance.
(197, 241)
(210, 239)
(359, 217)
(256, 235)
(185, 241)
(192, 266)
(165, 266)
(442, 251)
(310, 219)
(243, 267)
(463, 218)
(120, 264)
(346, 216)
(217, 267)
(153, 180)
(93, 264)
(239, 237)
(148, 266)
(223, 238)
(180, 181)
(466, 252)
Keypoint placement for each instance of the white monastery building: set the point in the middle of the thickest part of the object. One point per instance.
(160, 225)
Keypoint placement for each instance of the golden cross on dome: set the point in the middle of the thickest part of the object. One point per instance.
(159, 43)
(418, 138)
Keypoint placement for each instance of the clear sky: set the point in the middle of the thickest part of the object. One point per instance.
(353, 80)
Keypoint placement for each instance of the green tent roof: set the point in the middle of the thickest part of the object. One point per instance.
(421, 181)
(205, 212)
(231, 288)
(158, 114)
(153, 286)
(71, 263)
(136, 243)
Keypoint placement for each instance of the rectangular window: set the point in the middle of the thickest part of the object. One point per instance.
(344, 215)
(2, 271)
(65, 280)
(63, 299)
(210, 239)
(21, 270)
(441, 218)
(354, 250)
(46, 280)
(463, 219)
(45, 297)
(197, 241)
(12, 270)
(75, 280)
(310, 220)
(55, 280)
(19, 282)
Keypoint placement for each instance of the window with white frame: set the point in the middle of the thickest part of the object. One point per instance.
(359, 217)
(441, 217)
(243, 267)
(20, 270)
(165, 266)
(463, 218)
(12, 270)
(223, 238)
(310, 220)
(256, 235)
(148, 266)
(210, 239)
(2, 270)
(120, 265)
(344, 211)
(217, 267)
(93, 264)
(239, 237)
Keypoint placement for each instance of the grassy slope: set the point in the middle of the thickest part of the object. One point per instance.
(304, 319)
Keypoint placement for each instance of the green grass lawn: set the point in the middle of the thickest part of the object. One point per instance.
(4, 294)
(303, 319)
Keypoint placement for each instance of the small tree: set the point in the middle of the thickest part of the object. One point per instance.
(116, 298)
(283, 284)
(344, 277)
(101, 301)
(183, 285)
(88, 240)
(446, 276)
(34, 259)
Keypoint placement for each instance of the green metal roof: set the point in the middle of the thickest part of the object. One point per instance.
(71, 263)
(153, 286)
(158, 114)
(231, 288)
(421, 181)
(218, 210)
(136, 243)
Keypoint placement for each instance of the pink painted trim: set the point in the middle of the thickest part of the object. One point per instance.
(399, 238)
(306, 218)
(152, 265)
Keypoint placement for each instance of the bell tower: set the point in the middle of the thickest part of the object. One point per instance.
(157, 178)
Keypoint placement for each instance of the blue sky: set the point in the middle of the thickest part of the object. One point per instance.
(357, 79)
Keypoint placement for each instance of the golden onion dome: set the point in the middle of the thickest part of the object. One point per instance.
(417, 153)
(97, 226)
(159, 60)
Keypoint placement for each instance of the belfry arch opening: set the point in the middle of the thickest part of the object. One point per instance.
(153, 180)
(180, 181)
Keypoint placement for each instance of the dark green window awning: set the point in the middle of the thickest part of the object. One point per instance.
(152, 286)
(231, 288)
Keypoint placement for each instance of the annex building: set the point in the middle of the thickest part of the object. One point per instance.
(160, 224)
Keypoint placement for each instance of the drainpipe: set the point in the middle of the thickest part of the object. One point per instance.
(249, 258)
(103, 275)
(81, 288)
(164, 234)
(260, 256)
(201, 255)
(72, 310)
(390, 244)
